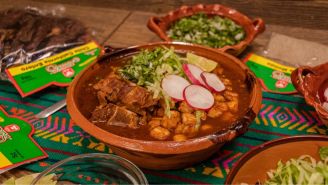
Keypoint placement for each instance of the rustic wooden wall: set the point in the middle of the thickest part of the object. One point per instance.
(311, 14)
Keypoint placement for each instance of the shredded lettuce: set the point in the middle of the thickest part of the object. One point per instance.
(167, 108)
(304, 171)
(198, 115)
(323, 152)
(148, 68)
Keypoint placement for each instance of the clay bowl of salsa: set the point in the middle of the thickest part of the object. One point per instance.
(213, 25)
(155, 131)
(312, 83)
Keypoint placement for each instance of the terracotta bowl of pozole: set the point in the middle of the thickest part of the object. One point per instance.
(149, 105)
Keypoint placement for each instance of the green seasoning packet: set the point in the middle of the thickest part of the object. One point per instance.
(16, 144)
(59, 69)
(273, 76)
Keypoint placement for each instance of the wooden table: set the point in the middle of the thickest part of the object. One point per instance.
(126, 27)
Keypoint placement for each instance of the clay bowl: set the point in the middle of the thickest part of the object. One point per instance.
(160, 25)
(311, 82)
(252, 167)
(162, 155)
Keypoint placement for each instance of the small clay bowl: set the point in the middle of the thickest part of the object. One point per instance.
(254, 165)
(161, 155)
(310, 82)
(160, 25)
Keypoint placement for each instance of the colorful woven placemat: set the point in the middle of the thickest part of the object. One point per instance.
(281, 115)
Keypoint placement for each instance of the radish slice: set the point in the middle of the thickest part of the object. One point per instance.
(326, 94)
(198, 97)
(325, 106)
(323, 93)
(212, 81)
(193, 73)
(174, 85)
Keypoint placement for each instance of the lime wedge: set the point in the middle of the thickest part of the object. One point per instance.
(201, 62)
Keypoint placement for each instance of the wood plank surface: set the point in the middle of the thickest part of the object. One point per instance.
(300, 13)
(314, 35)
(133, 31)
(101, 21)
(123, 23)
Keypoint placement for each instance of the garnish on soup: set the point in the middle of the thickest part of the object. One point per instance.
(162, 95)
(202, 29)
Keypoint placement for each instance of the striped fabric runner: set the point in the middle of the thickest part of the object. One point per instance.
(281, 115)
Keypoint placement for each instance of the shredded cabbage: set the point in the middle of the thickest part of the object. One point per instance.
(302, 171)
(148, 68)
(198, 115)
(323, 152)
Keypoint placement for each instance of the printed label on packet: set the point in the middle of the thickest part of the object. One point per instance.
(59, 69)
(16, 144)
(273, 76)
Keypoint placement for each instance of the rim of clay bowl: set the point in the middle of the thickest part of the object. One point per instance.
(258, 149)
(170, 147)
(301, 82)
(160, 25)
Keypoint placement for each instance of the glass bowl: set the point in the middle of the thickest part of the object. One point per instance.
(93, 168)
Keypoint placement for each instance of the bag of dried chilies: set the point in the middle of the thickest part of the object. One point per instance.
(29, 35)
